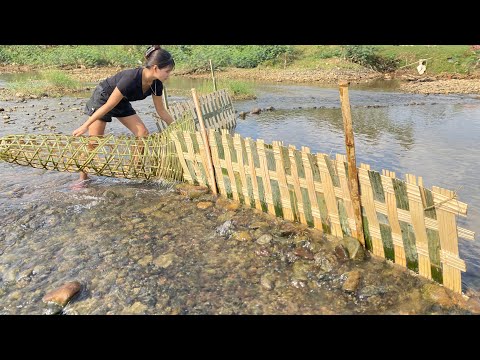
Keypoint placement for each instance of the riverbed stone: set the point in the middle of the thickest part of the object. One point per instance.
(204, 205)
(242, 236)
(63, 294)
(352, 281)
(264, 239)
(436, 294)
(164, 261)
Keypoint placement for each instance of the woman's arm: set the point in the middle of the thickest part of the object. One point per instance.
(112, 101)
(161, 111)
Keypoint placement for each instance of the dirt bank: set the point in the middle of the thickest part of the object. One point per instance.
(442, 86)
(294, 75)
(409, 81)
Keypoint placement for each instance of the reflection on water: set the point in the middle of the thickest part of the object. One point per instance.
(183, 83)
(378, 84)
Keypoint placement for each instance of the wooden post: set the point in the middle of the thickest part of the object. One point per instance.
(165, 97)
(352, 162)
(213, 76)
(211, 170)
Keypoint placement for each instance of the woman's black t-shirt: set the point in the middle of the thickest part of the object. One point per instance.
(129, 82)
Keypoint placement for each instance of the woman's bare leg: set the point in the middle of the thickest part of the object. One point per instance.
(95, 129)
(138, 128)
(135, 125)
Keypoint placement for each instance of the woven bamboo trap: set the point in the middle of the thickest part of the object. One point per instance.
(128, 157)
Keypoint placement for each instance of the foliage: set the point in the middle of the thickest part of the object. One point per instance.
(368, 56)
(197, 57)
(453, 59)
(70, 55)
(236, 88)
(54, 82)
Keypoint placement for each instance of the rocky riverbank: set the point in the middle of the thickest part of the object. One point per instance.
(409, 81)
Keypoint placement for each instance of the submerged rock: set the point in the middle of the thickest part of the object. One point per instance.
(225, 229)
(354, 248)
(267, 281)
(264, 239)
(341, 252)
(242, 236)
(63, 294)
(352, 281)
(165, 261)
(436, 294)
(204, 205)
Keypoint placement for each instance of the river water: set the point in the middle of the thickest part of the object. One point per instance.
(433, 136)
(139, 247)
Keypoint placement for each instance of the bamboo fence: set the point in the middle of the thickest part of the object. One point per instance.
(217, 110)
(402, 220)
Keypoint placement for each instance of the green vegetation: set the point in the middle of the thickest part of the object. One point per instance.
(196, 57)
(461, 59)
(53, 82)
(369, 56)
(236, 88)
(188, 57)
(317, 57)
(71, 55)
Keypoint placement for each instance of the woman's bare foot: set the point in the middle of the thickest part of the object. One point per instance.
(81, 182)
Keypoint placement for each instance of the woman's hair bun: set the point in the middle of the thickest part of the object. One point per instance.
(151, 49)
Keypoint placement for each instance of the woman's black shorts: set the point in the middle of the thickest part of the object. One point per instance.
(100, 97)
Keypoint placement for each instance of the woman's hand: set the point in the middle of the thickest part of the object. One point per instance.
(81, 130)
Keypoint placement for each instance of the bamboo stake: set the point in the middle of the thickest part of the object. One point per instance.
(213, 76)
(205, 141)
(165, 97)
(352, 163)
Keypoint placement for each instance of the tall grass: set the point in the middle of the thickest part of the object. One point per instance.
(190, 57)
(459, 59)
(71, 55)
(238, 90)
(53, 82)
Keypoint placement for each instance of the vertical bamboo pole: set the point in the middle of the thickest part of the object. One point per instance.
(447, 230)
(213, 76)
(205, 141)
(165, 97)
(391, 202)
(352, 162)
(418, 223)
